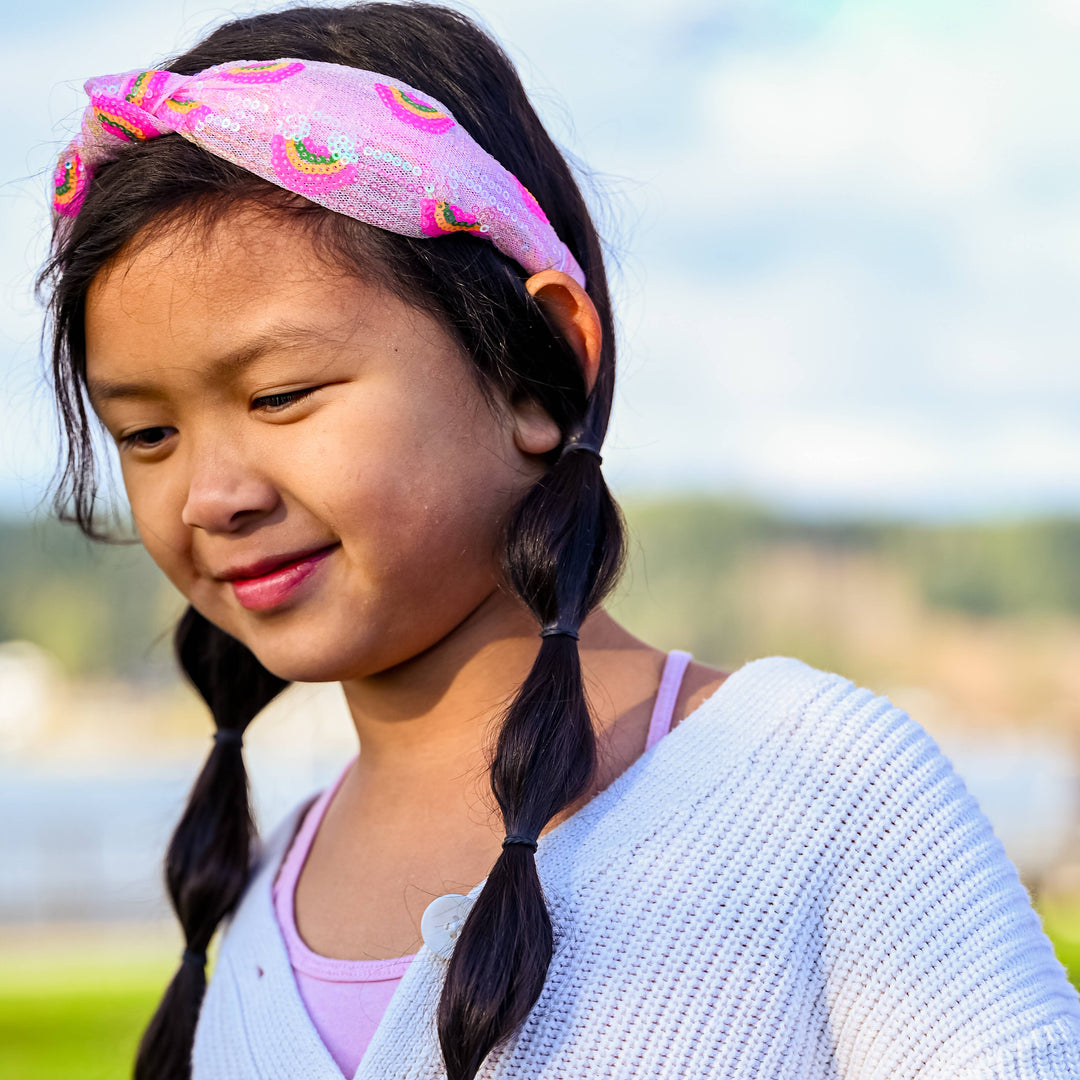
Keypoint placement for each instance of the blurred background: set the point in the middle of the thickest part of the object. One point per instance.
(845, 243)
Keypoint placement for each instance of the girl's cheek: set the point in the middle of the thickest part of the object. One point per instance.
(157, 503)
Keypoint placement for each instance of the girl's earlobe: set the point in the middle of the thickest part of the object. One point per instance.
(571, 309)
(534, 431)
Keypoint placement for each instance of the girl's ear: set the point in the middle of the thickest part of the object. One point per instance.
(534, 431)
(572, 311)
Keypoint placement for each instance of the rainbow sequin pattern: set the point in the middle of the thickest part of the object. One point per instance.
(414, 110)
(357, 142)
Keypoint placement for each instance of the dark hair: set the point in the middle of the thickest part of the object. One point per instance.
(564, 541)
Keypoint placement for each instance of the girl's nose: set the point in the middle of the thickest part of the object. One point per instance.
(225, 494)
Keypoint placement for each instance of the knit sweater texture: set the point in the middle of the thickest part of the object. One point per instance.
(794, 884)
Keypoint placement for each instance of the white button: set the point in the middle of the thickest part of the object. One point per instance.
(442, 921)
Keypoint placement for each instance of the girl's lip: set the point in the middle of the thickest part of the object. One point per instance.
(274, 588)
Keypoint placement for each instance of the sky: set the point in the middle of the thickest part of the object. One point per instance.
(844, 235)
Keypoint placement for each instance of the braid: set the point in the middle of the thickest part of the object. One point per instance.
(564, 553)
(208, 861)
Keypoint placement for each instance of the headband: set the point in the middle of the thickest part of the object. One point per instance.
(356, 142)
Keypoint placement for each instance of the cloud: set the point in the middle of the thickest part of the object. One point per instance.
(850, 233)
(862, 276)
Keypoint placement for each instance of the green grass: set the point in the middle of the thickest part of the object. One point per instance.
(80, 1011)
(1062, 926)
(78, 1008)
(88, 1031)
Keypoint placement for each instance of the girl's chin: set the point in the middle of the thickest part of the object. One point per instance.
(306, 647)
(295, 666)
(305, 655)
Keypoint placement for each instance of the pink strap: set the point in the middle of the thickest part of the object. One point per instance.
(670, 682)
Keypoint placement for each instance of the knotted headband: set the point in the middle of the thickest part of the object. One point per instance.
(356, 142)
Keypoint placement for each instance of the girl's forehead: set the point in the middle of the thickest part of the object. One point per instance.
(235, 252)
(221, 295)
(216, 276)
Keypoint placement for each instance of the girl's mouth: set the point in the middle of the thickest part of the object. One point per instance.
(273, 588)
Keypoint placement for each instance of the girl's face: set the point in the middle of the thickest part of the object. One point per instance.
(307, 457)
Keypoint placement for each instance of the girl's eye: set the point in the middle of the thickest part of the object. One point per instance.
(277, 402)
(147, 439)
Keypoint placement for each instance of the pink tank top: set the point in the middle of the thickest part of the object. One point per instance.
(347, 998)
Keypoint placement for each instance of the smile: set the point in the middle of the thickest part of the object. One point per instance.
(269, 590)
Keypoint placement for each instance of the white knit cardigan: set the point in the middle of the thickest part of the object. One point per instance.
(793, 884)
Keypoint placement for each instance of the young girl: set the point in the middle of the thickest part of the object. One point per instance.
(335, 295)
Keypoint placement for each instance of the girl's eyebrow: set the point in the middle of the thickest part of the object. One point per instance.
(278, 336)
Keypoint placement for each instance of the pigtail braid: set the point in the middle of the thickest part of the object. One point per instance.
(208, 860)
(564, 553)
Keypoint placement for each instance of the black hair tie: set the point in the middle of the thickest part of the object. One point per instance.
(190, 956)
(518, 838)
(574, 442)
(229, 735)
(555, 629)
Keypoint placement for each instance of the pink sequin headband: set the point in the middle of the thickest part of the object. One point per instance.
(353, 141)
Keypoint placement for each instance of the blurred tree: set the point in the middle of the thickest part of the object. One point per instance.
(726, 578)
(100, 608)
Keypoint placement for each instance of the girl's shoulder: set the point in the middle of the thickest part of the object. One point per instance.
(764, 699)
(785, 698)
(779, 720)
(699, 683)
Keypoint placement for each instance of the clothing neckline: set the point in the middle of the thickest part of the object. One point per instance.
(303, 958)
(308, 962)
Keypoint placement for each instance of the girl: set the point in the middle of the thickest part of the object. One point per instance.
(333, 292)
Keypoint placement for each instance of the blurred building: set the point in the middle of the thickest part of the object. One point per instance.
(88, 801)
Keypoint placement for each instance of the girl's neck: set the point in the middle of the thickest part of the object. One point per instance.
(439, 710)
